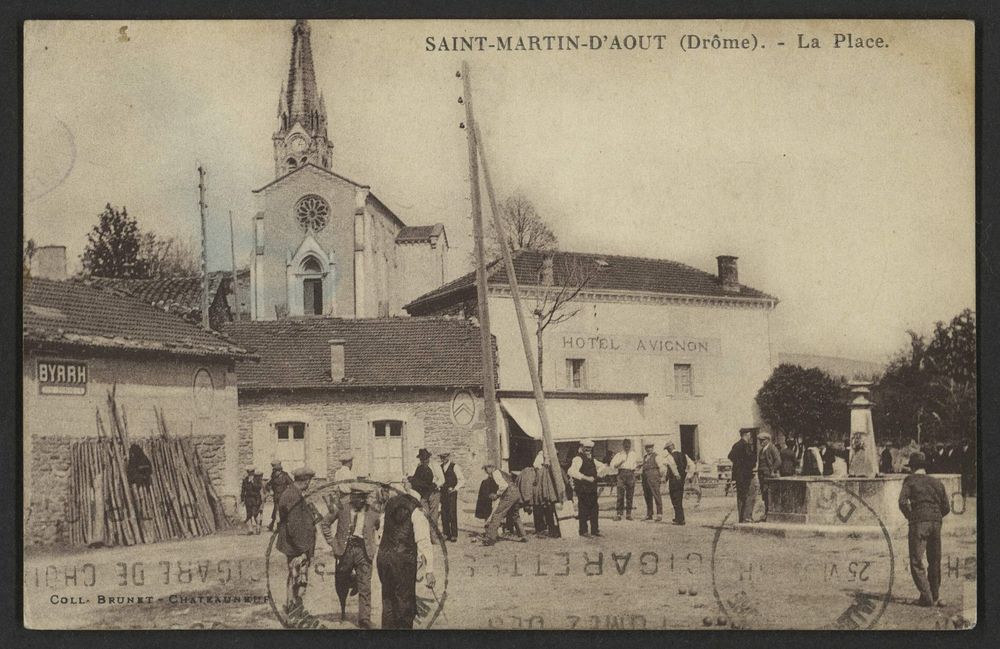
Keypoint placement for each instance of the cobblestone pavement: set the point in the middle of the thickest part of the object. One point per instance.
(637, 575)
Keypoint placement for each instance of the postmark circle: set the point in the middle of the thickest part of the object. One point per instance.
(805, 576)
(320, 606)
(50, 155)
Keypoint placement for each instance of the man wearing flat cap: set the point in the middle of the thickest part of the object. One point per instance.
(278, 482)
(924, 502)
(354, 546)
(297, 534)
(768, 467)
(584, 471)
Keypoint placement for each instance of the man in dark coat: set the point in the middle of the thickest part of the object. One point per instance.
(296, 535)
(454, 479)
(424, 484)
(885, 459)
(677, 470)
(251, 497)
(405, 542)
(768, 467)
(829, 455)
(789, 458)
(742, 457)
(924, 502)
(277, 484)
(354, 546)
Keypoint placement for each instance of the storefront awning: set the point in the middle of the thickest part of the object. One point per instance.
(576, 419)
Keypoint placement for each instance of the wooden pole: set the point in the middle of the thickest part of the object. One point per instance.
(232, 256)
(486, 340)
(204, 248)
(529, 356)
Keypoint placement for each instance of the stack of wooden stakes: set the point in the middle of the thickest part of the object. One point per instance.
(106, 508)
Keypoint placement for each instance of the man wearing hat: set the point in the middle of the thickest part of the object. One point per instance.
(424, 482)
(626, 461)
(743, 459)
(677, 467)
(345, 473)
(277, 484)
(406, 544)
(296, 534)
(354, 546)
(252, 497)
(652, 474)
(584, 471)
(768, 467)
(924, 502)
(453, 481)
(508, 500)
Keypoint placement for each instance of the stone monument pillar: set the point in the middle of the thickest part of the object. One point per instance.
(864, 455)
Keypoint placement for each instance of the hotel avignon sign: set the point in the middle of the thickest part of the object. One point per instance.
(644, 344)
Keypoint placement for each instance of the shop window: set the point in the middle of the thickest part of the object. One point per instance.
(576, 376)
(682, 380)
(290, 430)
(388, 428)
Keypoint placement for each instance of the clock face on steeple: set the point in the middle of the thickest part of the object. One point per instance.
(297, 143)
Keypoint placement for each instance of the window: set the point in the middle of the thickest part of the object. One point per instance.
(312, 296)
(682, 380)
(575, 376)
(388, 428)
(291, 430)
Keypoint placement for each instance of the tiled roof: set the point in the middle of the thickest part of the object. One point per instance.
(167, 292)
(382, 352)
(71, 312)
(607, 272)
(418, 233)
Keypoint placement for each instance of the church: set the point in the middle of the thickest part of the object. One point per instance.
(324, 244)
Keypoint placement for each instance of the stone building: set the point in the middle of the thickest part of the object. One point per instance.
(654, 349)
(325, 244)
(379, 389)
(81, 342)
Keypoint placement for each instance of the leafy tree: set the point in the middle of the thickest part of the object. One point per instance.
(114, 247)
(522, 225)
(808, 402)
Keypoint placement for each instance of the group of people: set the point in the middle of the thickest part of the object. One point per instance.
(957, 457)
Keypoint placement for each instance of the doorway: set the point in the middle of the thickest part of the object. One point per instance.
(312, 296)
(689, 441)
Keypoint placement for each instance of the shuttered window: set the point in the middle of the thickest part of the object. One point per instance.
(682, 380)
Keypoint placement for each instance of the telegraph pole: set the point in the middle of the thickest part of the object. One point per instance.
(204, 252)
(232, 256)
(486, 340)
(536, 383)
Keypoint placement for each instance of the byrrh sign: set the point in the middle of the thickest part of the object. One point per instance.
(62, 377)
(650, 345)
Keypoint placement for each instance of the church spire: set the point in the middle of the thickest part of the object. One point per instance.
(301, 137)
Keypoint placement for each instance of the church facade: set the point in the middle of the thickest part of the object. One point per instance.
(324, 244)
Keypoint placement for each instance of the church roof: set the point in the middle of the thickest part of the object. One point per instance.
(72, 313)
(607, 272)
(378, 352)
(310, 165)
(419, 233)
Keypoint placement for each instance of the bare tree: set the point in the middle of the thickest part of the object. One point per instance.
(169, 256)
(560, 283)
(524, 228)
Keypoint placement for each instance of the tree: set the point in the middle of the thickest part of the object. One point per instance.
(114, 247)
(559, 287)
(169, 256)
(808, 402)
(929, 389)
(522, 225)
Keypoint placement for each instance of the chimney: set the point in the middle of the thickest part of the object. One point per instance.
(546, 276)
(49, 262)
(337, 359)
(729, 276)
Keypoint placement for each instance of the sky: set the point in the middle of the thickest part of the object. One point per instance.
(843, 179)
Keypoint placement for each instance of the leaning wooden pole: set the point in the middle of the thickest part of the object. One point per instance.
(529, 356)
(486, 339)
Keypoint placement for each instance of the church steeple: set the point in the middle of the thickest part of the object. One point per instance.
(301, 137)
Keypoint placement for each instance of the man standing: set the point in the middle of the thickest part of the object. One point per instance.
(885, 459)
(651, 475)
(277, 484)
(924, 503)
(789, 457)
(742, 457)
(584, 471)
(626, 461)
(677, 473)
(768, 467)
(345, 473)
(507, 498)
(453, 481)
(354, 547)
(424, 482)
(296, 535)
(406, 542)
(250, 496)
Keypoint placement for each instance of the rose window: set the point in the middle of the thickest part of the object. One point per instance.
(312, 213)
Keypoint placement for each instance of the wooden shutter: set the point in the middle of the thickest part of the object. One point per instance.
(316, 450)
(413, 441)
(668, 381)
(361, 447)
(263, 445)
(698, 379)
